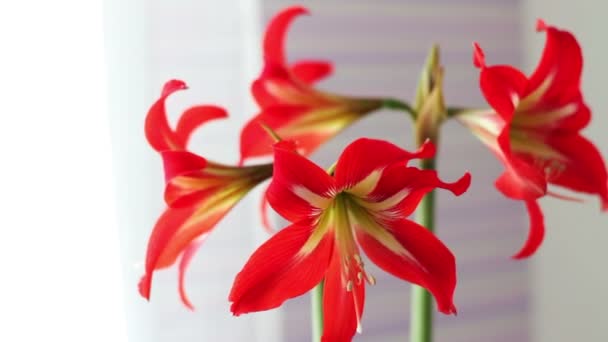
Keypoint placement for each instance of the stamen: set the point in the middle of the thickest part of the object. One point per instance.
(357, 258)
(359, 278)
(370, 279)
(349, 286)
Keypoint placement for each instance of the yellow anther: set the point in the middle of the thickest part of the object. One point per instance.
(370, 279)
(349, 286)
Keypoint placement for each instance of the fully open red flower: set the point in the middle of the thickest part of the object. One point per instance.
(199, 192)
(535, 128)
(290, 104)
(365, 204)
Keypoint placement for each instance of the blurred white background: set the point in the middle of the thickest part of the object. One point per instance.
(76, 181)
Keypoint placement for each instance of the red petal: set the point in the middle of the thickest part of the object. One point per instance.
(555, 84)
(183, 265)
(520, 180)
(479, 57)
(401, 188)
(262, 97)
(166, 227)
(194, 117)
(502, 87)
(311, 71)
(536, 233)
(274, 37)
(255, 141)
(174, 232)
(342, 309)
(158, 132)
(299, 188)
(363, 156)
(584, 170)
(562, 60)
(279, 270)
(181, 162)
(429, 263)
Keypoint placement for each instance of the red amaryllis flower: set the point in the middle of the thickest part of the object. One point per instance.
(535, 129)
(199, 192)
(363, 205)
(159, 133)
(290, 104)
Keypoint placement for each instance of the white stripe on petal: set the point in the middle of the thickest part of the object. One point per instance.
(532, 99)
(314, 199)
(388, 203)
(545, 118)
(367, 184)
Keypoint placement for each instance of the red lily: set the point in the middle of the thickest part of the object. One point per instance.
(158, 132)
(364, 204)
(199, 192)
(535, 129)
(290, 104)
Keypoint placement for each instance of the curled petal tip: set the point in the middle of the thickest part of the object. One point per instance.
(521, 255)
(453, 311)
(536, 232)
(144, 286)
(462, 185)
(427, 150)
(172, 86)
(296, 9)
(449, 309)
(479, 57)
(541, 25)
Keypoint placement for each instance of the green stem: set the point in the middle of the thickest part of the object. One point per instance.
(398, 105)
(316, 312)
(421, 319)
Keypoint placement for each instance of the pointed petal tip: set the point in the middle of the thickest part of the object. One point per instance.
(427, 150)
(460, 186)
(172, 86)
(541, 25)
(479, 57)
(449, 309)
(144, 286)
(296, 10)
(536, 232)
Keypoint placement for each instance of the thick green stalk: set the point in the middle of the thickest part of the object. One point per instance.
(421, 318)
(316, 312)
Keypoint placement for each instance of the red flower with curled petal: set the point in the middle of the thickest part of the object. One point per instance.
(199, 192)
(290, 104)
(159, 133)
(363, 205)
(535, 129)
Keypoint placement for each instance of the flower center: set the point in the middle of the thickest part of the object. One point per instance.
(353, 269)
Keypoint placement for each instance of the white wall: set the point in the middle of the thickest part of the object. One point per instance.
(213, 46)
(570, 277)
